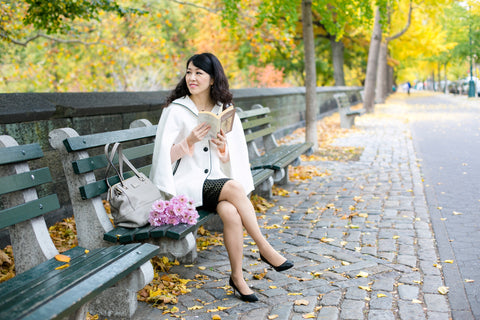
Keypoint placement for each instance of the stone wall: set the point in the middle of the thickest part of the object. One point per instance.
(29, 117)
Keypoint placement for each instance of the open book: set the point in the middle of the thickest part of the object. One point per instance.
(224, 121)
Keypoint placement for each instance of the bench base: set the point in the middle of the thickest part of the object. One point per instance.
(347, 119)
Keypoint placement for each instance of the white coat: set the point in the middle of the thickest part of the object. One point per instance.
(176, 123)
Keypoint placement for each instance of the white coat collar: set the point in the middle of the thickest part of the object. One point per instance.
(190, 105)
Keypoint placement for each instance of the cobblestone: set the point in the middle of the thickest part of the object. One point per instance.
(392, 244)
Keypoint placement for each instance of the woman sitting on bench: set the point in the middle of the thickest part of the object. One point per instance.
(214, 173)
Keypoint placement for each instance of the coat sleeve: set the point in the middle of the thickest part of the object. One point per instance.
(239, 165)
(168, 131)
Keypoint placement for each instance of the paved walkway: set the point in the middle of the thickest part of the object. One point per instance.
(381, 263)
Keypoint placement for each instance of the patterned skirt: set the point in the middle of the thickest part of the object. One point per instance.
(211, 193)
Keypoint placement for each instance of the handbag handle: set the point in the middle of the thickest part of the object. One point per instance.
(121, 159)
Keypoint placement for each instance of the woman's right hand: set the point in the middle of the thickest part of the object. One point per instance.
(198, 133)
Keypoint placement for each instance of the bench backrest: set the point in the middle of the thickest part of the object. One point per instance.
(22, 210)
(257, 125)
(342, 101)
(84, 164)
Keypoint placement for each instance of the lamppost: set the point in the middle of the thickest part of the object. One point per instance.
(471, 84)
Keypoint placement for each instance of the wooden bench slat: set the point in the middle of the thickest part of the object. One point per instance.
(126, 235)
(31, 280)
(292, 155)
(98, 281)
(20, 153)
(99, 187)
(58, 292)
(29, 210)
(100, 162)
(260, 175)
(24, 180)
(14, 284)
(253, 112)
(259, 133)
(252, 123)
(101, 139)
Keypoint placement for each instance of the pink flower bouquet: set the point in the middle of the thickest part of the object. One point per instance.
(177, 210)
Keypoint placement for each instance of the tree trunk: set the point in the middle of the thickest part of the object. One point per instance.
(310, 75)
(445, 77)
(337, 58)
(381, 85)
(370, 78)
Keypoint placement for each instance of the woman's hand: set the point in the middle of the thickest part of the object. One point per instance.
(220, 141)
(198, 133)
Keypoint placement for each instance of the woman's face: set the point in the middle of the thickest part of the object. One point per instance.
(198, 81)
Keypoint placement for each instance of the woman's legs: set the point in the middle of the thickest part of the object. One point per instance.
(233, 193)
(233, 238)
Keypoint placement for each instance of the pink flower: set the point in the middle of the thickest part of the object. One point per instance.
(177, 210)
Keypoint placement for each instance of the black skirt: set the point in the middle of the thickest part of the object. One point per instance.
(211, 193)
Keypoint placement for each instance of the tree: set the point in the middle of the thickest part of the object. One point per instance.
(50, 16)
(383, 81)
(310, 75)
(371, 76)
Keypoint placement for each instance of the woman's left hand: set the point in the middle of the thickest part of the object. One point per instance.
(220, 141)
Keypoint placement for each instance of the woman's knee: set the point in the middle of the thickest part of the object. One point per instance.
(232, 188)
(228, 213)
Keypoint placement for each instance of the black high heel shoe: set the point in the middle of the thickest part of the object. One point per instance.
(284, 266)
(245, 297)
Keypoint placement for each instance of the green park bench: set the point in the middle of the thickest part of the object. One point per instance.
(83, 159)
(40, 289)
(347, 115)
(258, 128)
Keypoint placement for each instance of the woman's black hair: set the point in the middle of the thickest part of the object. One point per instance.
(219, 91)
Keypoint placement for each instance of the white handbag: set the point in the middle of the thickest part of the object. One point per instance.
(130, 199)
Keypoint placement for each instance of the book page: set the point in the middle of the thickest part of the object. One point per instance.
(223, 121)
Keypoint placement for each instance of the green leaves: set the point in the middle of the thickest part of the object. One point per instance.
(55, 16)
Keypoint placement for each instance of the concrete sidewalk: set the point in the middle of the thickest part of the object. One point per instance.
(381, 263)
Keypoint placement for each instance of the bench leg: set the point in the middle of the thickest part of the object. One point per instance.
(184, 250)
(280, 177)
(80, 314)
(264, 190)
(120, 301)
(347, 121)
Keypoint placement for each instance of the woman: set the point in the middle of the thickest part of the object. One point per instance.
(214, 173)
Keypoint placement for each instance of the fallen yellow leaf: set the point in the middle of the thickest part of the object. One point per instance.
(202, 268)
(456, 213)
(87, 251)
(272, 317)
(396, 237)
(308, 316)
(365, 288)
(216, 317)
(295, 293)
(448, 261)
(62, 258)
(416, 301)
(443, 290)
(469, 280)
(302, 302)
(381, 295)
(196, 307)
(362, 274)
(62, 266)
